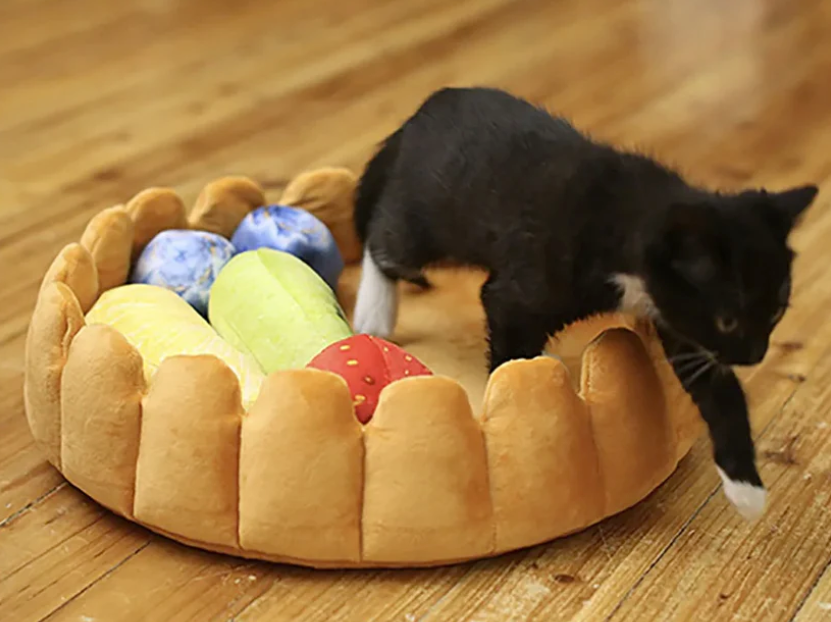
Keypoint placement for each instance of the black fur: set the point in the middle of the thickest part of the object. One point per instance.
(479, 177)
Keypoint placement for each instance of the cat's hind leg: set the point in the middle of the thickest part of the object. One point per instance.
(376, 306)
(394, 250)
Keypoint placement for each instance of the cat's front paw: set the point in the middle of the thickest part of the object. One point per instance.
(748, 499)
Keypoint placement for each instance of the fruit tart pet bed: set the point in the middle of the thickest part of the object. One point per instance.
(139, 402)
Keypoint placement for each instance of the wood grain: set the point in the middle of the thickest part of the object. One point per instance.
(102, 99)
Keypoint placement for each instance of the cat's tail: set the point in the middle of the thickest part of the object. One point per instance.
(368, 193)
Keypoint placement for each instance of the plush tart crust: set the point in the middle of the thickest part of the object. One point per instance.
(452, 467)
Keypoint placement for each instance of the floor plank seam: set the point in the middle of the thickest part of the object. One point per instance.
(701, 507)
(80, 562)
(686, 524)
(13, 517)
(661, 554)
(101, 578)
(801, 604)
(426, 616)
(51, 548)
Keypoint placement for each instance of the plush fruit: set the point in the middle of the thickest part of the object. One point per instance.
(368, 364)
(329, 194)
(185, 262)
(293, 231)
(274, 306)
(158, 324)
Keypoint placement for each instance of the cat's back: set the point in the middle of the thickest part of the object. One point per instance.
(478, 176)
(482, 114)
(474, 145)
(477, 164)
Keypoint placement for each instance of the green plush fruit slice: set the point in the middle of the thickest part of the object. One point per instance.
(272, 305)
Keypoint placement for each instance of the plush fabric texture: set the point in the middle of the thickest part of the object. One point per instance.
(75, 268)
(188, 483)
(368, 364)
(328, 442)
(295, 231)
(109, 240)
(152, 211)
(452, 466)
(329, 194)
(185, 262)
(275, 307)
(160, 324)
(101, 429)
(57, 319)
(426, 492)
(223, 204)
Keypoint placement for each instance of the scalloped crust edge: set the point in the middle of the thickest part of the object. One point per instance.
(424, 483)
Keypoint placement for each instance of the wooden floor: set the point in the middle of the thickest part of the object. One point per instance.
(99, 99)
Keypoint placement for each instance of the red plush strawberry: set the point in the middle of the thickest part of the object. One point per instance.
(368, 364)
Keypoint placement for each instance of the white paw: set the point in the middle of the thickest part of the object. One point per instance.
(749, 500)
(376, 307)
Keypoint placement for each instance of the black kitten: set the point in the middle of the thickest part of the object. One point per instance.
(568, 228)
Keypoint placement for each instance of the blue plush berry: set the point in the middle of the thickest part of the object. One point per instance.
(185, 262)
(291, 230)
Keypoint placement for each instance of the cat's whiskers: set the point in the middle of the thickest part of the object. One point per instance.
(685, 361)
(682, 366)
(685, 356)
(706, 366)
(697, 349)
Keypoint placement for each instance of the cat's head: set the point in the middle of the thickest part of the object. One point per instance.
(718, 269)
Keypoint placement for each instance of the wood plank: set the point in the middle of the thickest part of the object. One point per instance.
(196, 586)
(57, 548)
(104, 99)
(185, 584)
(723, 569)
(817, 607)
(31, 265)
(24, 474)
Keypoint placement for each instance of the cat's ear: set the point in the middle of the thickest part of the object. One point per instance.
(691, 239)
(788, 206)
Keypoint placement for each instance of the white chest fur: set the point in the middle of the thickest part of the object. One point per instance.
(634, 298)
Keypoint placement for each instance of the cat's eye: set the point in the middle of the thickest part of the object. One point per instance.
(726, 323)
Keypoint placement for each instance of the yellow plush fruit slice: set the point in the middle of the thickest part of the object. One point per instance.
(159, 324)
